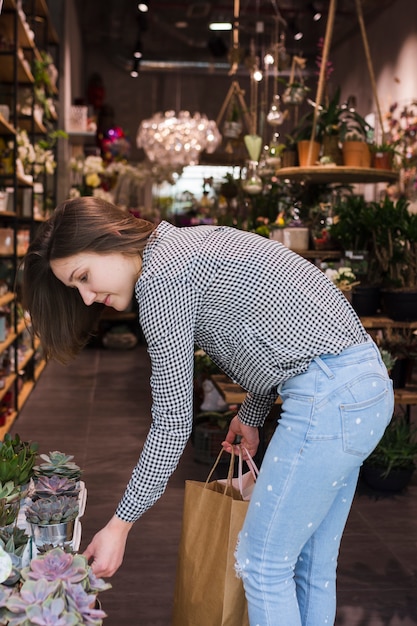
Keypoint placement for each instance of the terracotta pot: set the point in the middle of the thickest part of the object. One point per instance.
(356, 154)
(289, 158)
(303, 149)
(382, 161)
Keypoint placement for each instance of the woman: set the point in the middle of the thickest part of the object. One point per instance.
(275, 324)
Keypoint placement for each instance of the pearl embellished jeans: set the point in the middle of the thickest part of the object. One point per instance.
(333, 416)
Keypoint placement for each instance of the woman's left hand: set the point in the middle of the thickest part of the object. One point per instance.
(249, 438)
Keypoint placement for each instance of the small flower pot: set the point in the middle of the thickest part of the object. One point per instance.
(53, 534)
(308, 152)
(296, 238)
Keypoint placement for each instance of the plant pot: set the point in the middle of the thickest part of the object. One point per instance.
(332, 149)
(396, 480)
(366, 300)
(308, 152)
(382, 161)
(399, 374)
(296, 238)
(356, 154)
(54, 534)
(400, 305)
(289, 158)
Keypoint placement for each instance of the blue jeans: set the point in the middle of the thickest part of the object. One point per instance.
(333, 416)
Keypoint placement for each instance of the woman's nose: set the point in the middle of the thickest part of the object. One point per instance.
(87, 295)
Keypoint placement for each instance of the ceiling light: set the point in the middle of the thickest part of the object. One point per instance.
(143, 7)
(269, 58)
(257, 75)
(220, 26)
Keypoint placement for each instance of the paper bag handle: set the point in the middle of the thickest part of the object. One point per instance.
(228, 483)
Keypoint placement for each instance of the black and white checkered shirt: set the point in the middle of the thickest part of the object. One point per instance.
(259, 310)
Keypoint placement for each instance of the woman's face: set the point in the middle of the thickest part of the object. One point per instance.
(107, 278)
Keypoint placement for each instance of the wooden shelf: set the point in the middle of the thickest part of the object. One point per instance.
(337, 174)
(380, 321)
(7, 426)
(234, 394)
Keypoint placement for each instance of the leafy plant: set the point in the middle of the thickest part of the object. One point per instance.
(58, 463)
(59, 589)
(397, 448)
(52, 510)
(17, 459)
(10, 495)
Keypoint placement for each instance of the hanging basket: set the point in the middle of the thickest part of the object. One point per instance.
(296, 90)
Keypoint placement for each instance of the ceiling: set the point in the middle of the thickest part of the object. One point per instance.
(174, 34)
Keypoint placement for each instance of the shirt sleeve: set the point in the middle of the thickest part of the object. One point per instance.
(255, 408)
(167, 318)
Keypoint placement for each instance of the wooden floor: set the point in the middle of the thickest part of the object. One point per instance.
(97, 408)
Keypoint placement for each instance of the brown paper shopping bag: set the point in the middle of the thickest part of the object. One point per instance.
(208, 591)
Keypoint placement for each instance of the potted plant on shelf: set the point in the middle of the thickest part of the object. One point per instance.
(56, 588)
(392, 463)
(52, 519)
(394, 247)
(383, 155)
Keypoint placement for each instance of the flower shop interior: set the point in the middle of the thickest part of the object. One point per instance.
(197, 113)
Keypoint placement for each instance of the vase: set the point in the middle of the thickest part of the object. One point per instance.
(308, 152)
(53, 534)
(356, 154)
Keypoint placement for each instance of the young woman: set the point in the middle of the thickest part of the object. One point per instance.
(275, 324)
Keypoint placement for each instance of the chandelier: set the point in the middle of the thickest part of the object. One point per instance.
(177, 140)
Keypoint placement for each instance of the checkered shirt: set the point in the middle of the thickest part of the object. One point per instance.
(260, 311)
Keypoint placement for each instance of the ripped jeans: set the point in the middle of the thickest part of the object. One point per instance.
(333, 416)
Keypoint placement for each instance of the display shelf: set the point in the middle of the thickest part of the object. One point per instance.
(6, 298)
(6, 127)
(8, 383)
(11, 338)
(24, 394)
(337, 174)
(8, 424)
(30, 125)
(24, 75)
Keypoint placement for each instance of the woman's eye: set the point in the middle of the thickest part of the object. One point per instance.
(83, 278)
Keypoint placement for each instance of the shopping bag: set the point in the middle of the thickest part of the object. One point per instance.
(208, 591)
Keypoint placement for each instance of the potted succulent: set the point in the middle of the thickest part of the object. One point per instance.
(392, 463)
(10, 496)
(14, 541)
(17, 459)
(58, 463)
(55, 485)
(383, 154)
(58, 588)
(52, 519)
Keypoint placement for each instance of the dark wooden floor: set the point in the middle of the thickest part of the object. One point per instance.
(97, 408)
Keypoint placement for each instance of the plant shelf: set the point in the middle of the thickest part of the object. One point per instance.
(337, 173)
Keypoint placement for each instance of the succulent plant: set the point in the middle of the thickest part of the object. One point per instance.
(58, 463)
(56, 575)
(54, 485)
(17, 459)
(13, 540)
(9, 503)
(52, 510)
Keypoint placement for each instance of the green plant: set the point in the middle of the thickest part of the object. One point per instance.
(397, 449)
(17, 459)
(352, 223)
(13, 540)
(58, 463)
(58, 589)
(387, 358)
(394, 243)
(52, 510)
(10, 495)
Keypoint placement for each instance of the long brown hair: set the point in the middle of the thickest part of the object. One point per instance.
(58, 314)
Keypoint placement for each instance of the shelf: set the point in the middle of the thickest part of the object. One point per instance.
(5, 127)
(385, 322)
(24, 394)
(8, 382)
(32, 125)
(6, 344)
(8, 297)
(337, 174)
(24, 75)
(7, 426)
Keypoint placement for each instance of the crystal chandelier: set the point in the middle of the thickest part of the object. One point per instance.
(177, 140)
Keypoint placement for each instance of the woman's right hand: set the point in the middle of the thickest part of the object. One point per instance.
(249, 438)
(107, 547)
